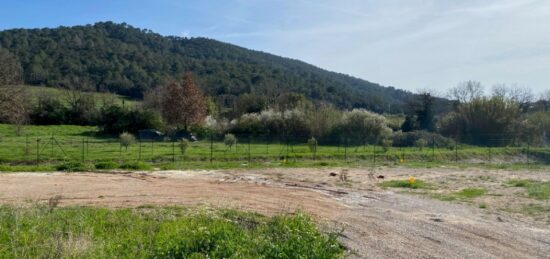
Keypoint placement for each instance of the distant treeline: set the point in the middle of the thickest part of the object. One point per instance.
(122, 59)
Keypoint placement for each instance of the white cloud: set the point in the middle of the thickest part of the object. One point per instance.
(408, 44)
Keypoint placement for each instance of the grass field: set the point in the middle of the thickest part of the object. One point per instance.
(45, 231)
(46, 148)
(36, 91)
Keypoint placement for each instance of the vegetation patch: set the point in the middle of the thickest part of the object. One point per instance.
(74, 167)
(418, 184)
(152, 232)
(535, 189)
(107, 165)
(135, 166)
(464, 194)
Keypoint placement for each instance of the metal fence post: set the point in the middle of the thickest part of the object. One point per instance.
(456, 151)
(211, 147)
(173, 151)
(433, 148)
(82, 150)
(37, 151)
(249, 158)
(374, 154)
(139, 152)
(346, 150)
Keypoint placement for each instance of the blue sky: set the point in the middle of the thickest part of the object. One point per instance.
(408, 44)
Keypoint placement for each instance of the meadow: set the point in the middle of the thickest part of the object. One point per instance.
(82, 148)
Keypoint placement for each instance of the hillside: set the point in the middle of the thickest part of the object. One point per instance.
(128, 61)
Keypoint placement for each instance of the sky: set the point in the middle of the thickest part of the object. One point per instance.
(408, 44)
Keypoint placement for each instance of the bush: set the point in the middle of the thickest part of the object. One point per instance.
(108, 165)
(409, 139)
(127, 139)
(183, 145)
(73, 167)
(312, 144)
(114, 119)
(135, 166)
(230, 140)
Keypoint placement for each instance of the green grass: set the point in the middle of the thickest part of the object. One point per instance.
(85, 144)
(535, 189)
(462, 195)
(418, 184)
(151, 232)
(36, 91)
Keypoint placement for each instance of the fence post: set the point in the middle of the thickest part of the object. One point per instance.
(456, 151)
(82, 150)
(433, 148)
(249, 158)
(374, 154)
(27, 145)
(173, 151)
(37, 151)
(139, 152)
(346, 150)
(211, 147)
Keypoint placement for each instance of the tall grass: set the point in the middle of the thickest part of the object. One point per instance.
(150, 232)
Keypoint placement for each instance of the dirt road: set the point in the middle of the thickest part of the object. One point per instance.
(378, 223)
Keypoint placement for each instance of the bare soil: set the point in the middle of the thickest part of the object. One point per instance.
(376, 222)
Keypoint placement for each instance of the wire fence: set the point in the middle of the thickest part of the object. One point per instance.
(33, 150)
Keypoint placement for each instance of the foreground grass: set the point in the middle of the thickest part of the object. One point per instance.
(150, 232)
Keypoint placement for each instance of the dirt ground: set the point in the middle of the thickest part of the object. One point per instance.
(376, 222)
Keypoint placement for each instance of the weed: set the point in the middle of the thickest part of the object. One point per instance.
(108, 165)
(535, 190)
(135, 166)
(73, 167)
(418, 184)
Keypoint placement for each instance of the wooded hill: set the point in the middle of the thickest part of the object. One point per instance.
(129, 61)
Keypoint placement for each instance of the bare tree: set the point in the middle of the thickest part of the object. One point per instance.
(80, 100)
(183, 104)
(521, 95)
(14, 107)
(545, 99)
(466, 91)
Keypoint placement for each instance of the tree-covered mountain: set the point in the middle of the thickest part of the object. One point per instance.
(129, 61)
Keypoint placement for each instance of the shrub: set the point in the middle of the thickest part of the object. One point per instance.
(135, 166)
(127, 139)
(230, 140)
(386, 144)
(108, 165)
(312, 144)
(114, 119)
(183, 145)
(421, 143)
(73, 167)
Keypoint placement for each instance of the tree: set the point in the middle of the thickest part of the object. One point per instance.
(14, 106)
(127, 139)
(523, 96)
(364, 127)
(466, 91)
(425, 113)
(545, 99)
(230, 140)
(183, 104)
